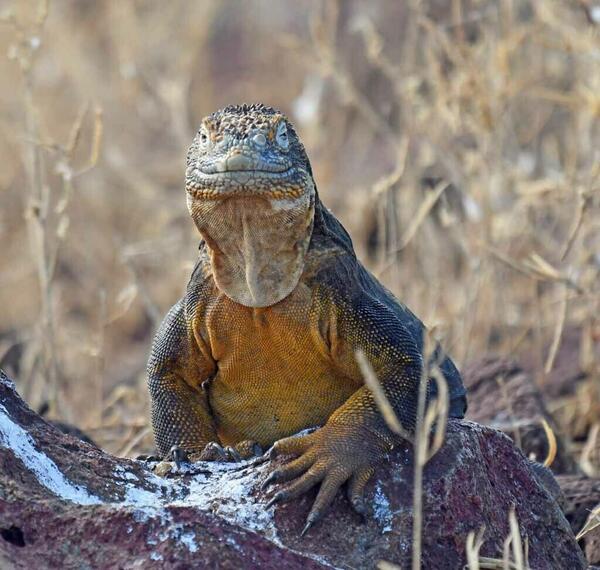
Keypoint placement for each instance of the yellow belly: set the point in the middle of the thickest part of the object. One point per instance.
(275, 376)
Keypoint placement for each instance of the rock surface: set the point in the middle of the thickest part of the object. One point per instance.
(592, 545)
(64, 503)
(581, 497)
(503, 395)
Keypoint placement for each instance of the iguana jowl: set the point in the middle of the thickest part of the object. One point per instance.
(263, 343)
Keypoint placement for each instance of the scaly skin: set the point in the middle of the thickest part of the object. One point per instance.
(263, 343)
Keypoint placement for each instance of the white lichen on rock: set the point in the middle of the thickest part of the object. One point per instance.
(223, 489)
(15, 438)
(189, 540)
(227, 492)
(381, 509)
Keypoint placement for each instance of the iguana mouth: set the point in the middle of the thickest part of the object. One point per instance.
(288, 183)
(259, 173)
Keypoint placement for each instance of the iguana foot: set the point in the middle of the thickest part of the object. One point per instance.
(164, 465)
(175, 455)
(214, 451)
(331, 456)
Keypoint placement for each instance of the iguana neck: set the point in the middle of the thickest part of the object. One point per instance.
(256, 245)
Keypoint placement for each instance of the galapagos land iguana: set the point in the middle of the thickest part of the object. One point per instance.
(262, 345)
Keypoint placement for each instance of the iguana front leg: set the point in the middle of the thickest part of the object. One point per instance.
(181, 419)
(176, 369)
(355, 438)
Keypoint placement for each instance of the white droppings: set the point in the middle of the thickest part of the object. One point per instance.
(169, 529)
(233, 543)
(156, 556)
(220, 488)
(381, 510)
(122, 473)
(138, 497)
(227, 493)
(15, 438)
(189, 540)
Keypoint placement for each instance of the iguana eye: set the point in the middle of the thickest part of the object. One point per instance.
(204, 138)
(282, 136)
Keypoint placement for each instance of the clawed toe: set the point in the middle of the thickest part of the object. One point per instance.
(270, 480)
(279, 497)
(232, 454)
(213, 451)
(310, 521)
(178, 456)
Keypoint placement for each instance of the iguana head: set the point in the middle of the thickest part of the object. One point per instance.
(247, 150)
(251, 195)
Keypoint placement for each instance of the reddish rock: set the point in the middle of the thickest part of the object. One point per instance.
(64, 503)
(581, 496)
(503, 396)
(592, 545)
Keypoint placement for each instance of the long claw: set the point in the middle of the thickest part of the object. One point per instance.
(178, 455)
(222, 453)
(356, 490)
(214, 449)
(232, 454)
(259, 460)
(272, 478)
(310, 521)
(277, 498)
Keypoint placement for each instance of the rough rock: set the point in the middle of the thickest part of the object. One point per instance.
(581, 497)
(64, 503)
(504, 396)
(592, 544)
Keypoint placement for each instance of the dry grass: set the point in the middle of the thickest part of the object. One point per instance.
(458, 141)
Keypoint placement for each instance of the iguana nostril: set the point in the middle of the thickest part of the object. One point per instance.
(259, 139)
(239, 162)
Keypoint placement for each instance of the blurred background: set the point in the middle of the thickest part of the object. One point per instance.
(458, 141)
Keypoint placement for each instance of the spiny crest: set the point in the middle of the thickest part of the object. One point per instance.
(240, 119)
(247, 108)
